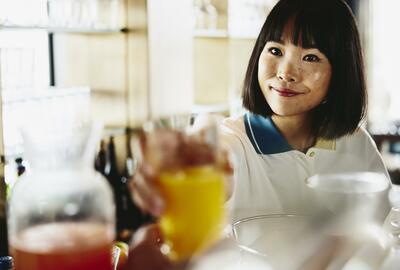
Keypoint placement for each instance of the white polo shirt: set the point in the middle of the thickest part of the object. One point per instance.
(270, 176)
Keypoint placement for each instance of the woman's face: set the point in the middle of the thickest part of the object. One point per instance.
(293, 79)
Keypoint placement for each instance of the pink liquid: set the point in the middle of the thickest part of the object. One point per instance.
(63, 246)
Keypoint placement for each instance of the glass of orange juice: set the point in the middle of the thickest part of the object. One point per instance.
(194, 212)
(191, 180)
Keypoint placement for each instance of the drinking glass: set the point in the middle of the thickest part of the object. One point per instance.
(358, 196)
(190, 181)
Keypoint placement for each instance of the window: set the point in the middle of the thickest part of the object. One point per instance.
(383, 60)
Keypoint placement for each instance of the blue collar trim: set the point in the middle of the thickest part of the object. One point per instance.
(264, 135)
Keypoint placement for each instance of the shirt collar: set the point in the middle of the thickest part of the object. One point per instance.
(266, 138)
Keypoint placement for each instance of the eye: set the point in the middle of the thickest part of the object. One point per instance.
(311, 58)
(275, 51)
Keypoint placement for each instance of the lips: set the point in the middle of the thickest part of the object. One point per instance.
(285, 92)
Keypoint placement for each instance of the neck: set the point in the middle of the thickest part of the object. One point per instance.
(296, 130)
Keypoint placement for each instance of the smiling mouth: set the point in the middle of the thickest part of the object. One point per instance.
(285, 92)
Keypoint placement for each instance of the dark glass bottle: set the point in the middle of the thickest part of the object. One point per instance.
(128, 216)
(113, 172)
(131, 217)
(6, 263)
(118, 183)
(20, 166)
(3, 235)
(101, 163)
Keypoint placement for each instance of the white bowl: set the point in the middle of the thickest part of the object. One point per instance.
(364, 194)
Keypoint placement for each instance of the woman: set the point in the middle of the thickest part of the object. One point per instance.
(305, 95)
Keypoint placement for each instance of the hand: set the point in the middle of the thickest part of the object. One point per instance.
(145, 192)
(144, 251)
(169, 150)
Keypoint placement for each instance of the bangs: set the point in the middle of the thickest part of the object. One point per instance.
(303, 26)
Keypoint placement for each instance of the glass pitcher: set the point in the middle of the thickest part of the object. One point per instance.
(61, 212)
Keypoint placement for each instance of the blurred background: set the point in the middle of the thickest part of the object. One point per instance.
(123, 62)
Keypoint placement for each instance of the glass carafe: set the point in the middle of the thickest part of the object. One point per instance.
(61, 213)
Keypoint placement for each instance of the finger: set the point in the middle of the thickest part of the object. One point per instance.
(139, 201)
(146, 195)
(148, 172)
(224, 161)
(145, 206)
(228, 163)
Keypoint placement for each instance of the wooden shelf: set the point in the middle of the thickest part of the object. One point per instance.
(77, 30)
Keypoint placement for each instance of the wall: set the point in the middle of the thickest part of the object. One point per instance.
(219, 68)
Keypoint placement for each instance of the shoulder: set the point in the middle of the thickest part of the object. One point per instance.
(359, 143)
(360, 137)
(233, 136)
(232, 130)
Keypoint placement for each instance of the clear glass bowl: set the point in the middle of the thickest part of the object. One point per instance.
(310, 242)
(268, 235)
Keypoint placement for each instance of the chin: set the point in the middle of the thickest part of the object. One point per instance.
(289, 110)
(284, 111)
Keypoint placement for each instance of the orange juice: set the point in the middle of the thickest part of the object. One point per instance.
(63, 246)
(194, 214)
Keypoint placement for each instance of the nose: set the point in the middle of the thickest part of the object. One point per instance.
(288, 72)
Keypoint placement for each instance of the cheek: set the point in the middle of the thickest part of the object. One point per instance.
(320, 80)
(266, 69)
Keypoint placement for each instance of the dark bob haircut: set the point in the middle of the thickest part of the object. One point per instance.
(328, 25)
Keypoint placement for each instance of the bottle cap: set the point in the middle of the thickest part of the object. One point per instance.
(6, 262)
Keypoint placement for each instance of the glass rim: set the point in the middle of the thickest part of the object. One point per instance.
(260, 217)
(174, 122)
(316, 182)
